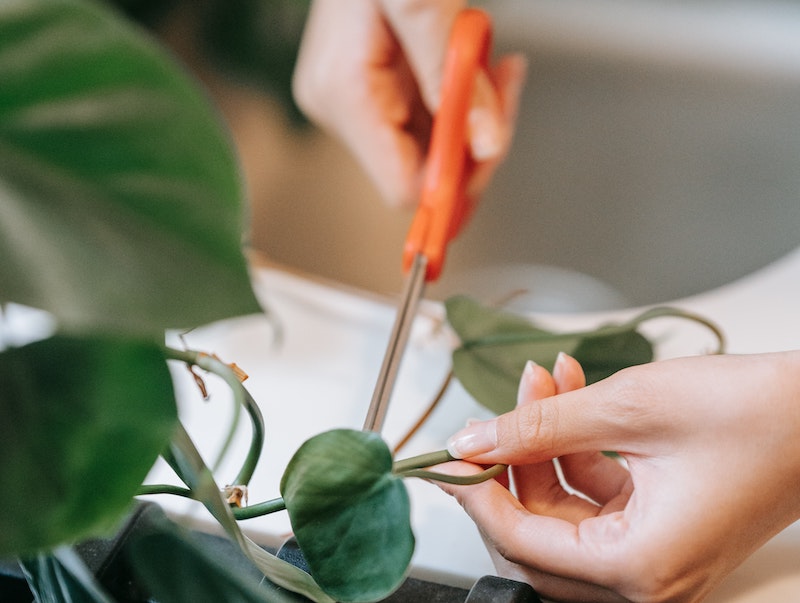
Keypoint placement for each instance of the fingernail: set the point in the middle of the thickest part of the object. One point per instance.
(486, 134)
(558, 367)
(526, 381)
(472, 440)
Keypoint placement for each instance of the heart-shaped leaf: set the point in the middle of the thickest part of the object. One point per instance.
(120, 196)
(496, 345)
(83, 422)
(350, 514)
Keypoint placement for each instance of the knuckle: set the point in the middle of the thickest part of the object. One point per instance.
(530, 430)
(634, 399)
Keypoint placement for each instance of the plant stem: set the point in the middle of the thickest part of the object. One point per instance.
(423, 460)
(414, 467)
(149, 489)
(652, 313)
(459, 480)
(229, 438)
(259, 509)
(249, 512)
(241, 396)
(666, 311)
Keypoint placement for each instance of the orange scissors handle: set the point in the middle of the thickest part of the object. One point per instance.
(444, 206)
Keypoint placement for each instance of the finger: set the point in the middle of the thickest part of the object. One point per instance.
(625, 412)
(513, 559)
(537, 485)
(592, 473)
(550, 545)
(595, 475)
(567, 374)
(326, 69)
(423, 29)
(365, 94)
(390, 154)
(495, 105)
(534, 384)
(508, 80)
(540, 491)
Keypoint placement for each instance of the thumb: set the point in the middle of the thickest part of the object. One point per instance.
(423, 29)
(592, 418)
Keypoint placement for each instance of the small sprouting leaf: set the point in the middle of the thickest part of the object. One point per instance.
(83, 423)
(350, 514)
(495, 346)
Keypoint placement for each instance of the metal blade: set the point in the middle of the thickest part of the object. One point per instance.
(412, 292)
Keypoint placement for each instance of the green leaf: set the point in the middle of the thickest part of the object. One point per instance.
(473, 321)
(120, 196)
(602, 355)
(496, 345)
(175, 569)
(62, 577)
(83, 422)
(350, 514)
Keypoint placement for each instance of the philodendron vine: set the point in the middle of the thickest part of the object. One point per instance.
(121, 215)
(343, 490)
(344, 493)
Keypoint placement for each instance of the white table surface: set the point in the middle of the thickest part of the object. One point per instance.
(313, 364)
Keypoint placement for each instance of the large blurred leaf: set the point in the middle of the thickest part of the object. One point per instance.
(350, 514)
(83, 422)
(495, 346)
(120, 197)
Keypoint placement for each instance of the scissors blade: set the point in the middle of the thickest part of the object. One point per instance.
(412, 293)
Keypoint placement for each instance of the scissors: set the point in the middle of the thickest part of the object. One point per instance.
(444, 206)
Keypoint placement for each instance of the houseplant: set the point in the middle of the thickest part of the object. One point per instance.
(122, 215)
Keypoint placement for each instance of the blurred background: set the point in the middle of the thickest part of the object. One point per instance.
(657, 154)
